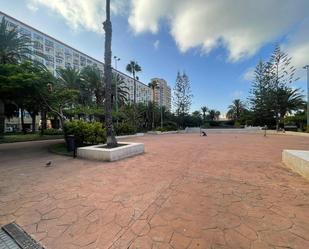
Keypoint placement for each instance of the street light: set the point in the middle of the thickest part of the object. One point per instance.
(307, 68)
(116, 86)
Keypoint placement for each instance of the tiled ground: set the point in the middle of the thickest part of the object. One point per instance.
(186, 191)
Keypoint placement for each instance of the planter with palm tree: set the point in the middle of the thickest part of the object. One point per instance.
(111, 151)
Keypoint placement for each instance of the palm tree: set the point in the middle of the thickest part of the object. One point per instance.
(92, 83)
(289, 100)
(213, 114)
(13, 48)
(107, 25)
(120, 90)
(133, 68)
(235, 109)
(204, 110)
(69, 77)
(153, 84)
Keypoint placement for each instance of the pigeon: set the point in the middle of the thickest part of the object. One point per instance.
(48, 164)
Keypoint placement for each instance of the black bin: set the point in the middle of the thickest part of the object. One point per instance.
(71, 143)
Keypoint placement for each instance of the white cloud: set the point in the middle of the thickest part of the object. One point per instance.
(249, 74)
(87, 14)
(242, 27)
(298, 48)
(156, 44)
(237, 94)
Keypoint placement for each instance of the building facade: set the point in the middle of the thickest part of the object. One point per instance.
(55, 54)
(162, 93)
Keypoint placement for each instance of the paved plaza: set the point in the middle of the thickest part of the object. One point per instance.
(224, 191)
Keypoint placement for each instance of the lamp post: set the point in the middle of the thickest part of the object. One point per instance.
(116, 86)
(307, 68)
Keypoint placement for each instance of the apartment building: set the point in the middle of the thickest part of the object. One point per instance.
(55, 54)
(162, 93)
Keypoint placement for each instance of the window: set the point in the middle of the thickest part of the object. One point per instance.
(49, 43)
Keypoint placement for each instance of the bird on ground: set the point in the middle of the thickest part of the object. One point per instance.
(48, 164)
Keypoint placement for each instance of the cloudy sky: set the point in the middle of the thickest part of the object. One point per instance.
(216, 42)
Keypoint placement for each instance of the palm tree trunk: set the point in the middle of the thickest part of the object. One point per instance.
(2, 118)
(22, 119)
(32, 114)
(43, 121)
(111, 140)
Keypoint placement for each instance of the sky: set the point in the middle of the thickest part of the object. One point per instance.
(217, 43)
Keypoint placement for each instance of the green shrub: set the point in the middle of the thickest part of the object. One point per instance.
(161, 129)
(124, 129)
(170, 126)
(237, 124)
(53, 132)
(85, 132)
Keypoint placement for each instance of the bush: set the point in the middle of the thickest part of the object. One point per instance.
(85, 132)
(170, 126)
(161, 129)
(124, 129)
(53, 132)
(237, 124)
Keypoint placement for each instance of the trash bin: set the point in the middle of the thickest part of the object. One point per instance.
(71, 143)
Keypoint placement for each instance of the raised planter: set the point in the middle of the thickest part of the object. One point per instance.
(297, 160)
(101, 153)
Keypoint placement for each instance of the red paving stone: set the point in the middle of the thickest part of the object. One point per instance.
(186, 191)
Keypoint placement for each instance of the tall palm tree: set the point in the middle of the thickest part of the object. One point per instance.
(13, 48)
(235, 109)
(153, 84)
(134, 68)
(107, 25)
(204, 110)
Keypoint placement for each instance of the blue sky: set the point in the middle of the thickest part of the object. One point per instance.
(216, 48)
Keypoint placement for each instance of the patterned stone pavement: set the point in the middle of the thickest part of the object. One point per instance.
(221, 191)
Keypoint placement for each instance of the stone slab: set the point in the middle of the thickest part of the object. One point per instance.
(297, 160)
(96, 152)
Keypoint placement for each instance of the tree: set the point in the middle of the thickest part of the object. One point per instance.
(13, 48)
(235, 110)
(204, 110)
(153, 84)
(111, 139)
(271, 96)
(133, 67)
(213, 114)
(119, 90)
(92, 84)
(182, 97)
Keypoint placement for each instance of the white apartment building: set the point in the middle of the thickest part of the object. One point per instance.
(162, 93)
(56, 54)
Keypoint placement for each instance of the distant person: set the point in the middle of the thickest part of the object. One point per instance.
(204, 134)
